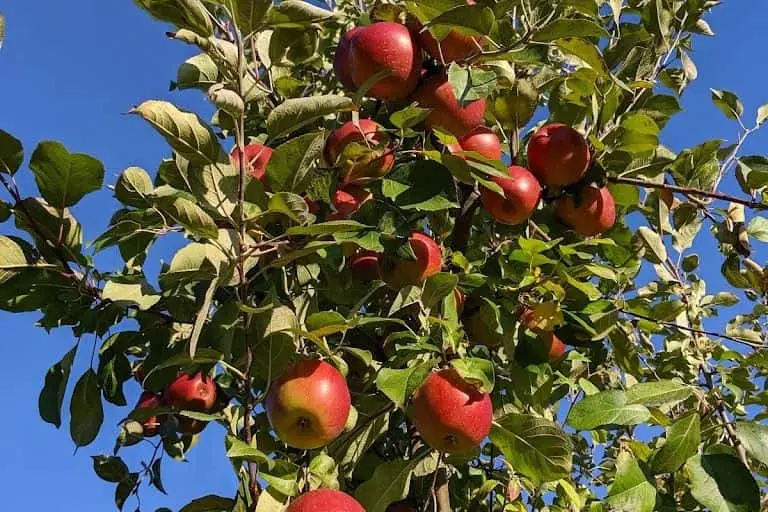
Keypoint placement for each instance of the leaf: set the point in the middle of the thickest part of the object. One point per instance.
(466, 19)
(85, 408)
(290, 163)
(656, 252)
(762, 114)
(564, 28)
(586, 52)
(202, 317)
(399, 385)
(138, 294)
(134, 187)
(721, 483)
(535, 447)
(409, 116)
(194, 262)
(476, 371)
(438, 287)
(296, 112)
(189, 14)
(124, 489)
(52, 394)
(241, 451)
(189, 215)
(209, 503)
(184, 131)
(390, 482)
(754, 437)
(683, 439)
(295, 13)
(11, 150)
(2, 30)
(605, 409)
(631, 491)
(639, 134)
(110, 469)
(420, 185)
(12, 258)
(198, 72)
(728, 103)
(758, 229)
(658, 393)
(327, 228)
(64, 178)
(470, 84)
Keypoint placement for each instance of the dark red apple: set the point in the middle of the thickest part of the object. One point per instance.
(386, 47)
(191, 392)
(149, 400)
(325, 500)
(350, 198)
(341, 59)
(428, 262)
(365, 266)
(592, 213)
(558, 155)
(309, 404)
(521, 196)
(256, 160)
(481, 140)
(451, 415)
(455, 46)
(360, 168)
(553, 347)
(312, 205)
(436, 93)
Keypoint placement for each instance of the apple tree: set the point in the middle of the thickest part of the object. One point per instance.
(436, 257)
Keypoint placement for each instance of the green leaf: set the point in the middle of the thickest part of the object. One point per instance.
(291, 162)
(134, 187)
(326, 323)
(409, 116)
(586, 52)
(198, 72)
(12, 258)
(189, 215)
(754, 437)
(476, 371)
(721, 483)
(470, 84)
(138, 294)
(124, 489)
(202, 317)
(86, 413)
(564, 28)
(466, 19)
(420, 185)
(52, 394)
(328, 228)
(399, 385)
(242, 452)
(295, 13)
(683, 439)
(659, 393)
(655, 250)
(639, 134)
(535, 447)
(762, 114)
(390, 483)
(323, 472)
(210, 503)
(758, 229)
(64, 178)
(294, 113)
(11, 150)
(189, 14)
(438, 287)
(605, 409)
(194, 262)
(5, 211)
(110, 469)
(728, 103)
(631, 491)
(184, 131)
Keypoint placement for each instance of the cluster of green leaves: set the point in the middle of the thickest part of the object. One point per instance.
(262, 281)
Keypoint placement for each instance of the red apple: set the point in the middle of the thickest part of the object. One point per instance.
(312, 205)
(341, 59)
(309, 404)
(428, 262)
(256, 160)
(555, 348)
(521, 196)
(191, 392)
(592, 213)
(451, 415)
(455, 46)
(365, 266)
(325, 500)
(350, 198)
(149, 400)
(360, 168)
(436, 93)
(558, 155)
(481, 140)
(381, 47)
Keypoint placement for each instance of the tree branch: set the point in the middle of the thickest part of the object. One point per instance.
(725, 421)
(442, 493)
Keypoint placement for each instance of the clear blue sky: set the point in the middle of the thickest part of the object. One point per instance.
(69, 70)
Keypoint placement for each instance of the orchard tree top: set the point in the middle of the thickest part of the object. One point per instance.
(415, 232)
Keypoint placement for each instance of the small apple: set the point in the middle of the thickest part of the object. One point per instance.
(367, 165)
(385, 47)
(191, 393)
(350, 198)
(521, 196)
(592, 213)
(436, 92)
(341, 59)
(256, 160)
(558, 155)
(455, 46)
(428, 262)
(481, 140)
(325, 500)
(451, 415)
(309, 404)
(365, 266)
(548, 346)
(151, 425)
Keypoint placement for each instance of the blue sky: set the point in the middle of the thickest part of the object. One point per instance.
(69, 71)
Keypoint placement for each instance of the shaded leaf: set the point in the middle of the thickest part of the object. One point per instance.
(683, 439)
(64, 178)
(86, 409)
(296, 112)
(605, 409)
(52, 394)
(721, 483)
(631, 491)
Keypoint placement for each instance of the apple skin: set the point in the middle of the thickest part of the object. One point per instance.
(309, 404)
(341, 59)
(386, 46)
(350, 198)
(429, 261)
(555, 348)
(325, 500)
(191, 392)
(256, 160)
(595, 214)
(558, 155)
(451, 415)
(368, 132)
(522, 192)
(365, 266)
(312, 205)
(435, 92)
(149, 400)
(455, 46)
(481, 140)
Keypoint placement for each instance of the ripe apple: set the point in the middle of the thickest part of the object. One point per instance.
(385, 47)
(521, 196)
(455, 46)
(256, 160)
(191, 392)
(341, 59)
(350, 198)
(451, 415)
(428, 262)
(435, 92)
(325, 500)
(552, 348)
(149, 400)
(365, 266)
(309, 404)
(593, 212)
(558, 155)
(481, 140)
(360, 167)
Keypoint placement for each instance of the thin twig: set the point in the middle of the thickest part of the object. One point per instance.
(725, 421)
